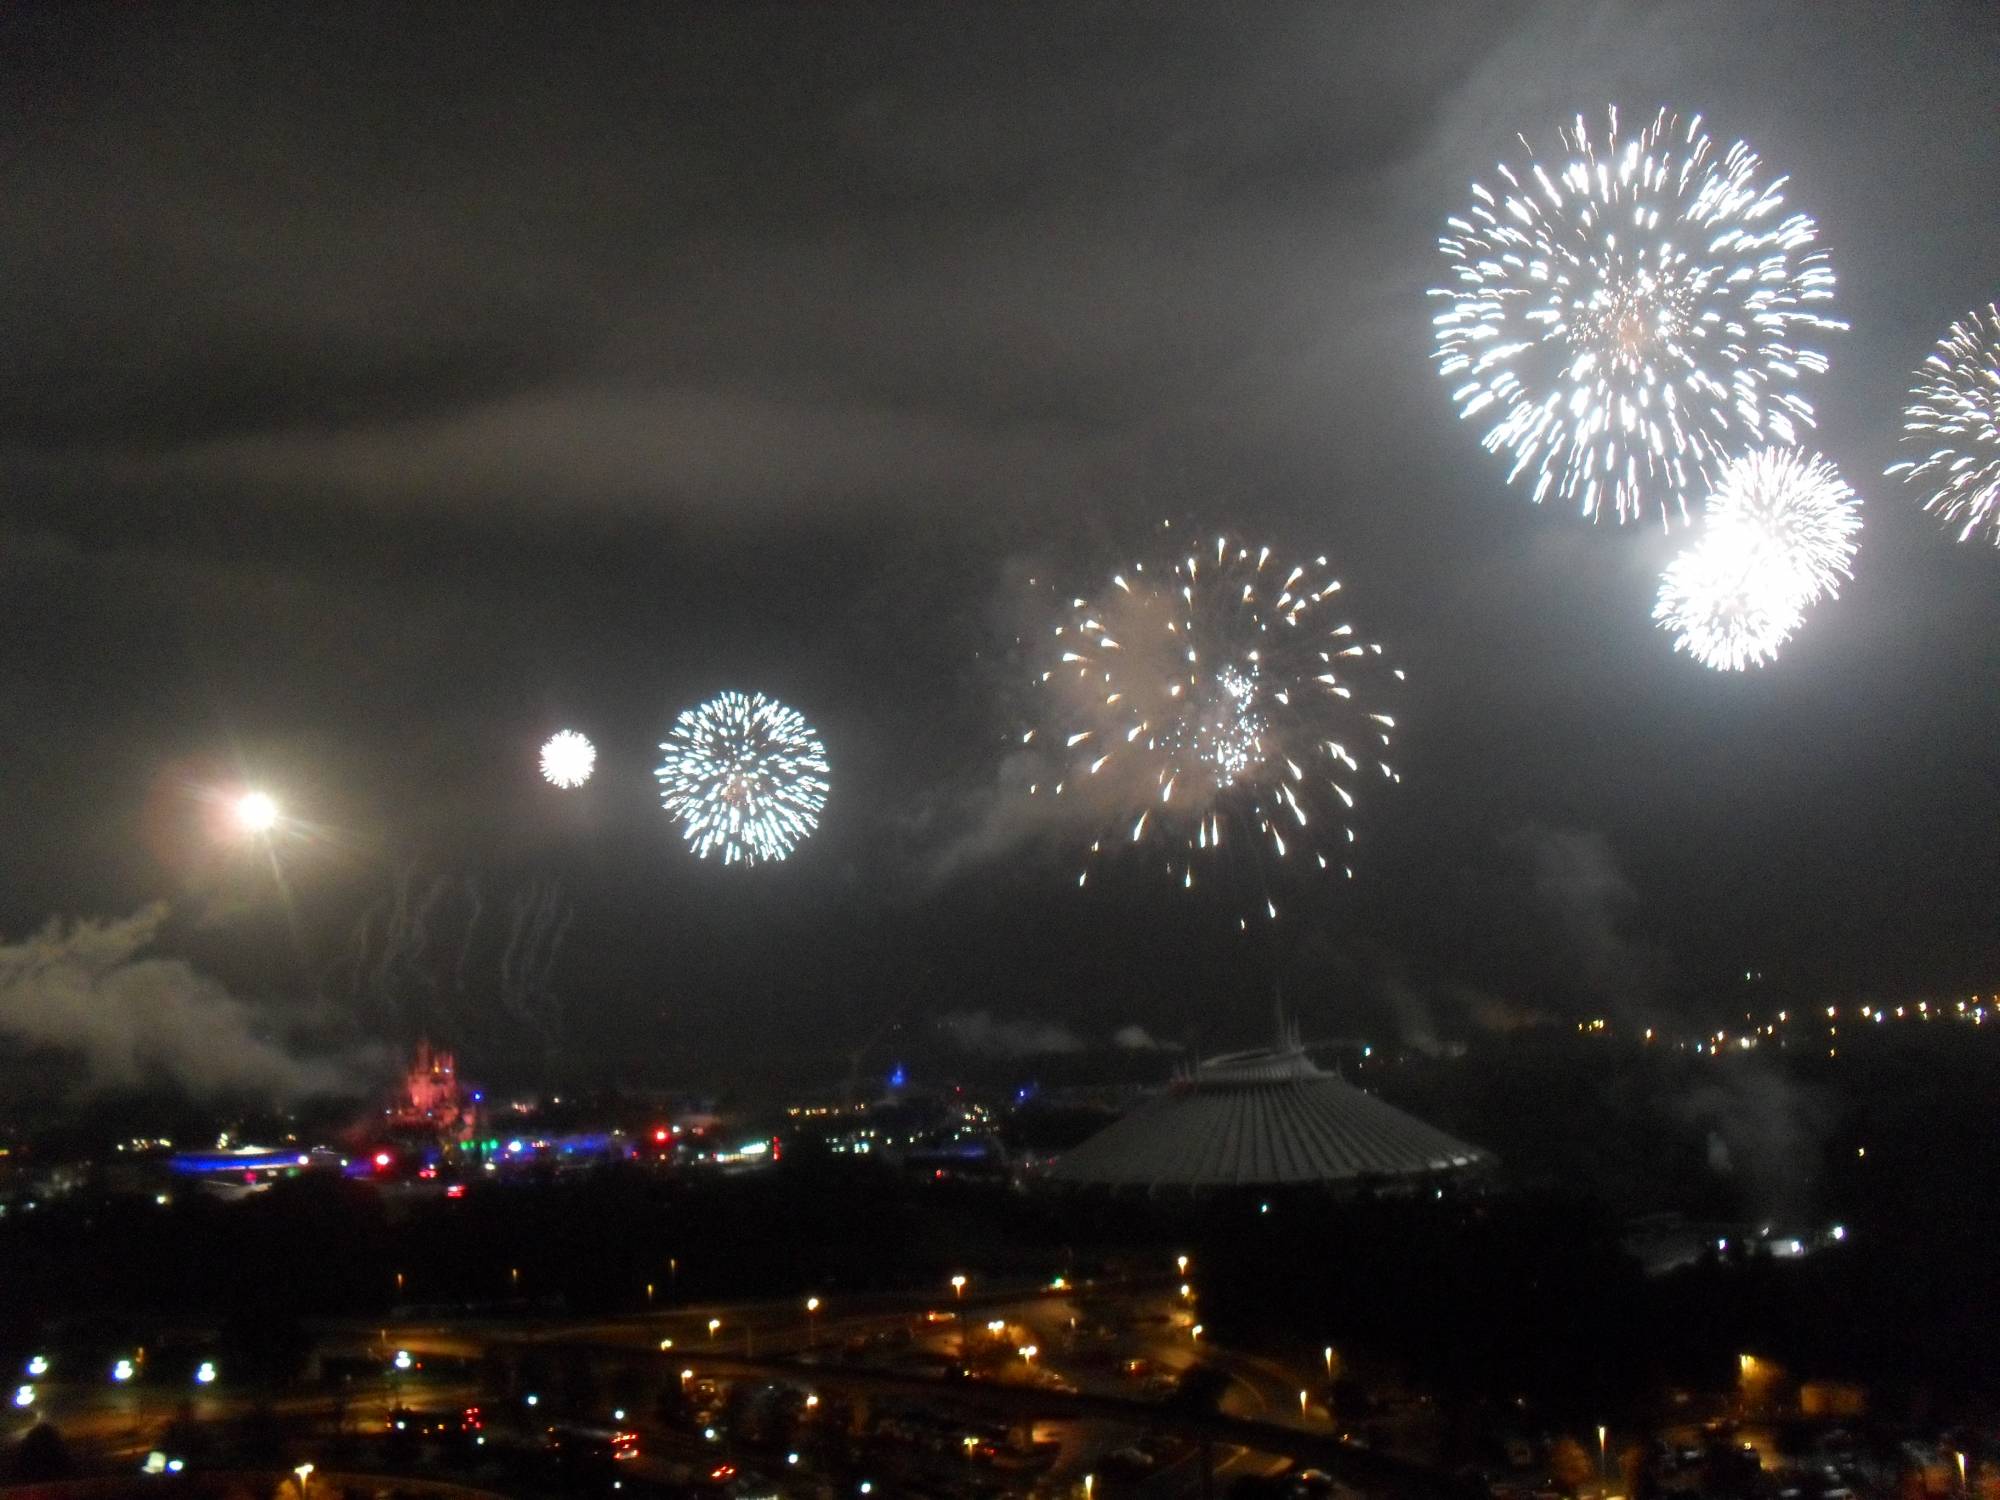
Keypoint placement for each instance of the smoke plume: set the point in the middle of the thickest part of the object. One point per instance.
(85, 989)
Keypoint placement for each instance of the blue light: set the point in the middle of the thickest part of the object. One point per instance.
(897, 1077)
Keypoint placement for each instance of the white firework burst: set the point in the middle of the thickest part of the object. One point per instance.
(568, 759)
(1210, 704)
(745, 777)
(1628, 315)
(1778, 535)
(1954, 413)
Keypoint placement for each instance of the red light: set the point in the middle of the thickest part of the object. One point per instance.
(383, 1160)
(660, 1135)
(456, 1190)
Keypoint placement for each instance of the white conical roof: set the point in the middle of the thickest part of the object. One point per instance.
(1262, 1119)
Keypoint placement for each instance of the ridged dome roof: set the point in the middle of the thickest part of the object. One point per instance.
(1262, 1119)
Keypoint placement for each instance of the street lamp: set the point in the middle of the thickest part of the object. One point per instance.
(24, 1395)
(1302, 1406)
(1603, 1455)
(204, 1373)
(121, 1371)
(812, 1320)
(1181, 1261)
(713, 1325)
(957, 1287)
(1327, 1355)
(304, 1472)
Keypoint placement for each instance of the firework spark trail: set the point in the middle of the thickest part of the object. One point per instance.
(1629, 317)
(1954, 411)
(1210, 702)
(1778, 535)
(478, 908)
(425, 956)
(745, 777)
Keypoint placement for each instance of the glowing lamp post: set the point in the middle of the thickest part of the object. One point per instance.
(812, 1320)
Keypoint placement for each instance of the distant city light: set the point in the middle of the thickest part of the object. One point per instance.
(403, 1362)
(39, 1365)
(122, 1371)
(24, 1395)
(205, 1373)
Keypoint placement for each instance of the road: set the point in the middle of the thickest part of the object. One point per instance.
(1074, 1388)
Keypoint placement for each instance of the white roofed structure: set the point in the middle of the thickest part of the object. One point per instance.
(1268, 1118)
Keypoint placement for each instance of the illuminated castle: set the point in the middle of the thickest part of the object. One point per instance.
(432, 1097)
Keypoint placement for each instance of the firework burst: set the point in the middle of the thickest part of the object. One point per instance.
(568, 759)
(1209, 705)
(1629, 315)
(745, 777)
(1778, 535)
(1954, 412)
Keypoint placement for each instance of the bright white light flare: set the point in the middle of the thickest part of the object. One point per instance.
(1210, 704)
(745, 776)
(568, 759)
(1954, 412)
(256, 812)
(1629, 315)
(1778, 535)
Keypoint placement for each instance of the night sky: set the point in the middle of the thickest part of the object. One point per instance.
(382, 388)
